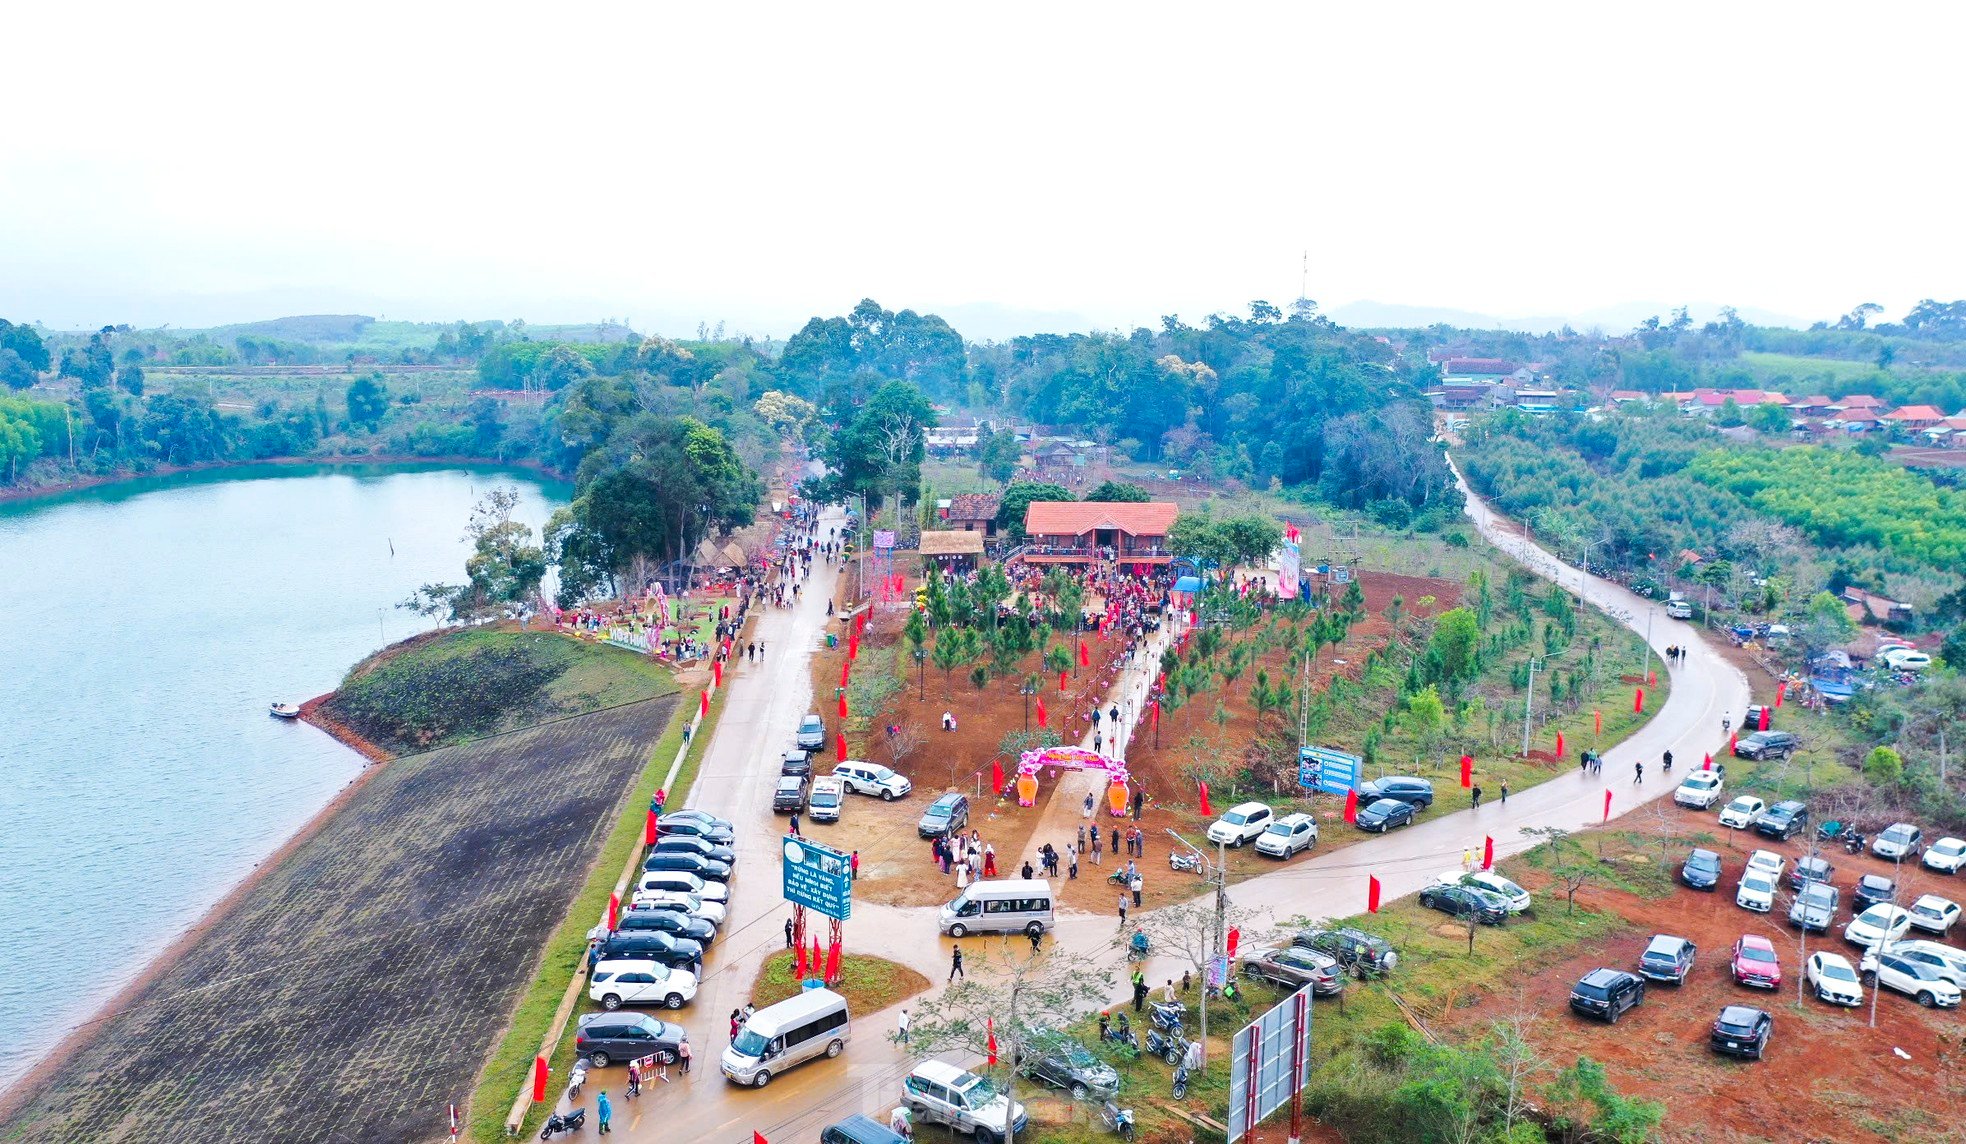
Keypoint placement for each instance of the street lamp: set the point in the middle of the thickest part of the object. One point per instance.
(921, 686)
(1029, 689)
(1529, 697)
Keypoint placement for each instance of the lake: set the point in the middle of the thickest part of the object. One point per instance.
(149, 625)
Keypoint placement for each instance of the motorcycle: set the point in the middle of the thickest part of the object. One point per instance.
(1120, 1034)
(1117, 1119)
(1167, 1015)
(1188, 862)
(1225, 990)
(1181, 1083)
(1853, 842)
(563, 1122)
(1170, 1048)
(577, 1079)
(1117, 877)
(1137, 945)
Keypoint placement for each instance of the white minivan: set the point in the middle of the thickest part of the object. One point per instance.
(794, 1031)
(1010, 905)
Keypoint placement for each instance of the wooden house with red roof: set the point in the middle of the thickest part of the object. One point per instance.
(1083, 532)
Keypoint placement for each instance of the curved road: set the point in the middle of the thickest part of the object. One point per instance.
(767, 699)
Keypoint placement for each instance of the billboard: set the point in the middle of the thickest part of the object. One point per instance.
(818, 878)
(1269, 1064)
(883, 538)
(1287, 571)
(1323, 769)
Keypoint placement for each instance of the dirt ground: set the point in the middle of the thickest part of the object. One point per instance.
(1827, 1076)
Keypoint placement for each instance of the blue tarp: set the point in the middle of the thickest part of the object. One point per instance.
(1188, 584)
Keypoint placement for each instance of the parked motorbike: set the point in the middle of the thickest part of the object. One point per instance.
(1226, 989)
(1183, 861)
(1117, 877)
(1120, 1034)
(1137, 945)
(563, 1122)
(577, 1079)
(1117, 1119)
(1167, 1015)
(1170, 1048)
(1181, 1083)
(1853, 842)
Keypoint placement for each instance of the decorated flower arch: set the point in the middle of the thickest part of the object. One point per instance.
(1076, 759)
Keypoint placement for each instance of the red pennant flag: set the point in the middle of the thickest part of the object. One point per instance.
(759, 1138)
(996, 776)
(1607, 806)
(1781, 688)
(1638, 700)
(1764, 719)
(1708, 764)
(833, 962)
(1371, 894)
(717, 673)
(1733, 740)
(1041, 715)
(1651, 677)
(539, 1074)
(1085, 657)
(840, 744)
(703, 707)
(1597, 721)
(1559, 744)
(1351, 806)
(1156, 714)
(1061, 680)
(990, 1023)
(1467, 771)
(650, 832)
(614, 910)
(842, 704)
(799, 961)
(1235, 936)
(1205, 812)
(860, 623)
(1488, 854)
(853, 647)
(815, 966)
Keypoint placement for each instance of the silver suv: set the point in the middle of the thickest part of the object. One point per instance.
(940, 1093)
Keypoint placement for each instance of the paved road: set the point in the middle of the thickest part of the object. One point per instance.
(768, 699)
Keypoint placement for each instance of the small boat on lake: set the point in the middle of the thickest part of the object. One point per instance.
(285, 711)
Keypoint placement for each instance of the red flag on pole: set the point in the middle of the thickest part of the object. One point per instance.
(1764, 719)
(1638, 700)
(1041, 715)
(1235, 936)
(1708, 764)
(996, 776)
(1371, 894)
(1781, 689)
(717, 672)
(1607, 806)
(853, 647)
(650, 832)
(1351, 806)
(1488, 854)
(614, 910)
(1204, 799)
(703, 705)
(1467, 771)
(842, 704)
(991, 1024)
(539, 1073)
(799, 961)
(1733, 740)
(1597, 721)
(1061, 680)
(833, 962)
(1156, 709)
(860, 623)
(759, 1138)
(815, 963)
(1085, 657)
(1559, 744)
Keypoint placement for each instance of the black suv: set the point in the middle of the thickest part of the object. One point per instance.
(1419, 792)
(715, 833)
(605, 1038)
(796, 763)
(790, 794)
(1357, 951)
(1068, 1065)
(1607, 993)
(1810, 868)
(675, 951)
(944, 816)
(1702, 870)
(675, 923)
(1742, 1031)
(1872, 890)
(1766, 745)
(1668, 958)
(1784, 820)
(709, 869)
(690, 844)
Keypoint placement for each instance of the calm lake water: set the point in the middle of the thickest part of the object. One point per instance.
(148, 625)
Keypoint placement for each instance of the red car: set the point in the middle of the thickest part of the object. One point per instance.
(1754, 963)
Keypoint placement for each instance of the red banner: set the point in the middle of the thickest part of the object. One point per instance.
(1733, 740)
(1041, 715)
(840, 744)
(1638, 700)
(703, 706)
(1467, 771)
(1781, 689)
(1708, 764)
(842, 704)
(614, 910)
(853, 647)
(1156, 708)
(1371, 894)
(996, 776)
(539, 1074)
(1764, 718)
(833, 963)
(1559, 744)
(1085, 657)
(1607, 806)
(1597, 721)
(650, 832)
(990, 1023)
(717, 672)
(1235, 937)
(1488, 854)
(799, 962)
(1061, 680)
(1205, 812)
(1351, 806)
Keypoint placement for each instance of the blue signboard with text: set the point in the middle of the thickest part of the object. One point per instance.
(818, 878)
(1323, 769)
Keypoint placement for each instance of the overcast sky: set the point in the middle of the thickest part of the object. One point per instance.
(1015, 166)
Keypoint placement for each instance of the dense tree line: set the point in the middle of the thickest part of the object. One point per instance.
(1841, 499)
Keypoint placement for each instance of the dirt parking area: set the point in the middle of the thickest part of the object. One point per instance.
(1828, 1075)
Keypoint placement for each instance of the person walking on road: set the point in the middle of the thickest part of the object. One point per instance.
(795, 825)
(901, 1028)
(1072, 862)
(1082, 834)
(788, 933)
(1088, 804)
(1505, 794)
(1139, 991)
(956, 964)
(1638, 773)
(1037, 936)
(1122, 909)
(1477, 796)
(1026, 870)
(1136, 884)
(1139, 800)
(605, 1112)
(682, 1057)
(1095, 846)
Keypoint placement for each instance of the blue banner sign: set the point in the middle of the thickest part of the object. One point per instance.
(1323, 769)
(818, 878)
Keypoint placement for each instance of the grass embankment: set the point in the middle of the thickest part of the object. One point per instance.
(566, 950)
(455, 685)
(869, 984)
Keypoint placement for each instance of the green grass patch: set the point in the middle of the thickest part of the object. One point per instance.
(566, 950)
(455, 685)
(1796, 368)
(869, 984)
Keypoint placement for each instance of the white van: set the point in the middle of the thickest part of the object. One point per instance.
(791, 1032)
(1010, 905)
(823, 804)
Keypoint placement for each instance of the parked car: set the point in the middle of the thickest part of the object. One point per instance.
(859, 1129)
(939, 1093)
(1756, 892)
(872, 778)
(1293, 967)
(709, 869)
(1701, 870)
(1949, 962)
(1679, 609)
(605, 1038)
(1754, 962)
(1830, 975)
(789, 795)
(1607, 993)
(1515, 897)
(1243, 823)
(673, 921)
(1810, 868)
(1752, 720)
(1405, 788)
(1878, 924)
(1906, 659)
(811, 734)
(1385, 814)
(703, 816)
(1071, 1066)
(681, 881)
(947, 814)
(823, 803)
(1359, 952)
(1912, 978)
(680, 901)
(1872, 889)
(1740, 813)
(1814, 908)
(1287, 835)
(673, 949)
(1934, 914)
(1667, 958)
(690, 844)
(1784, 820)
(1700, 789)
(648, 945)
(1946, 855)
(1768, 862)
(618, 983)
(1766, 745)
(795, 762)
(1897, 842)
(714, 833)
(1742, 1031)
(1465, 901)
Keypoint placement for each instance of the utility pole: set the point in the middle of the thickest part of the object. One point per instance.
(1647, 674)
(1529, 705)
(1218, 934)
